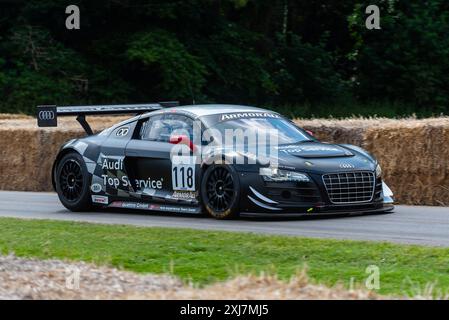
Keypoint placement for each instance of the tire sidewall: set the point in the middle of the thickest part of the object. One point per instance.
(84, 202)
(234, 209)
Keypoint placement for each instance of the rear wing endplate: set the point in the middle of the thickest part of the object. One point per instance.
(47, 116)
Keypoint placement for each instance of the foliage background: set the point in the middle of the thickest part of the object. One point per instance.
(303, 58)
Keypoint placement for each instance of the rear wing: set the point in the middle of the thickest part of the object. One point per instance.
(47, 116)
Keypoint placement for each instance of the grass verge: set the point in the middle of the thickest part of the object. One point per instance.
(207, 256)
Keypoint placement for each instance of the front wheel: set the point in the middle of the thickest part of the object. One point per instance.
(220, 192)
(72, 182)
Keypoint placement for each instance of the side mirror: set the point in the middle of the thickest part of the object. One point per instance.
(182, 139)
(175, 139)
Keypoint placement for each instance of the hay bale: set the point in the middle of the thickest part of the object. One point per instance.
(414, 160)
(413, 153)
(27, 157)
(28, 152)
(10, 116)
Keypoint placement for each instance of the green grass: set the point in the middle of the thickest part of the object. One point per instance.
(204, 256)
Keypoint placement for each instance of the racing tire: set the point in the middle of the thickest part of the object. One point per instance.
(72, 182)
(220, 192)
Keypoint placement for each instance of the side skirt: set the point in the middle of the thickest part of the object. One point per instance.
(154, 207)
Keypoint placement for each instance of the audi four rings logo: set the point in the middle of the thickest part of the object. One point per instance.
(46, 115)
(122, 132)
(346, 166)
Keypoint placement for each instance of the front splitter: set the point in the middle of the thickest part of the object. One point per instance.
(387, 208)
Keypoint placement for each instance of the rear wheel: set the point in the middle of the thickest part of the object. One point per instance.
(72, 182)
(220, 192)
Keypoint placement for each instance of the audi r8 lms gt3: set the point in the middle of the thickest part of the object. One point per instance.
(219, 159)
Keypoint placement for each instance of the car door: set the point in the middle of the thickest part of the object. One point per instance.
(148, 160)
(110, 177)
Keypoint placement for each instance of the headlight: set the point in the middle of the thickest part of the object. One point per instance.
(378, 171)
(276, 175)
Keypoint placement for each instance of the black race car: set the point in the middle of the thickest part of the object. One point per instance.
(211, 158)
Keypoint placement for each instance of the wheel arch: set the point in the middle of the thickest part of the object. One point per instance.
(217, 160)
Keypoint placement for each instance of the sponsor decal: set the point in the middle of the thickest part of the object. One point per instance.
(286, 167)
(124, 182)
(178, 209)
(121, 132)
(112, 164)
(318, 148)
(100, 199)
(96, 187)
(153, 207)
(243, 115)
(184, 195)
(149, 183)
(46, 115)
(298, 148)
(115, 182)
(135, 205)
(119, 180)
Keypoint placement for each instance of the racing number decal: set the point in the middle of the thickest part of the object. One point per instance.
(183, 173)
(183, 177)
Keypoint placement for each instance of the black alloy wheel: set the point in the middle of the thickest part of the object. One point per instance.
(71, 180)
(220, 192)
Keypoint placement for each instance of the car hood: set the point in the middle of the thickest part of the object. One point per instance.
(311, 157)
(324, 157)
(314, 149)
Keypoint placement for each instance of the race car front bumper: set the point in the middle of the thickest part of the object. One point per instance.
(307, 199)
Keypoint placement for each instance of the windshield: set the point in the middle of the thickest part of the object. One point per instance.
(285, 130)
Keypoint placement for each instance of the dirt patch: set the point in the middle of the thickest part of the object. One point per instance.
(22, 278)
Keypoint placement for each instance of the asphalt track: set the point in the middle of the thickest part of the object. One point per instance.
(408, 224)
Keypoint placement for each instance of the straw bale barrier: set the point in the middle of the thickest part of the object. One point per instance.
(28, 152)
(414, 154)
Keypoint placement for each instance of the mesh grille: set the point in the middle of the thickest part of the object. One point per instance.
(349, 187)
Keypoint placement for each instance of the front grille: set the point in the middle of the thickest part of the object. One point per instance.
(349, 187)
